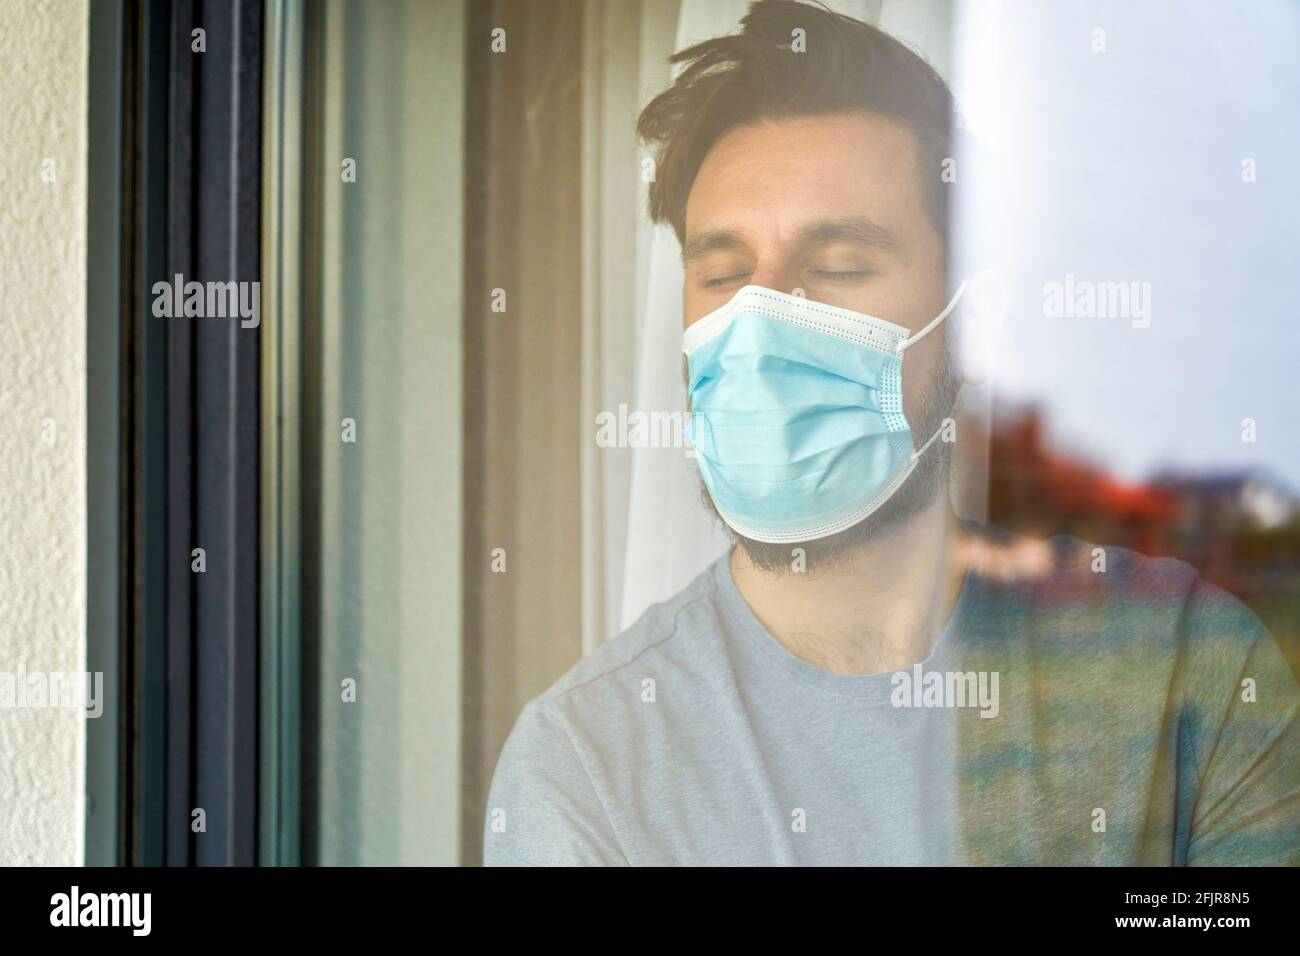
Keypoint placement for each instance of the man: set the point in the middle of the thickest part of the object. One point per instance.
(866, 679)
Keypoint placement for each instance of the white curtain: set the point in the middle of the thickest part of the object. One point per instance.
(648, 533)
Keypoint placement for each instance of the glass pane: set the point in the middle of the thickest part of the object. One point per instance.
(382, 481)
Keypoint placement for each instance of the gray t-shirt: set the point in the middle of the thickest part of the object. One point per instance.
(1135, 715)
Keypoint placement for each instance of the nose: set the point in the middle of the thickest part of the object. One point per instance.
(774, 276)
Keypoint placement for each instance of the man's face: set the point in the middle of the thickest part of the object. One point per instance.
(830, 205)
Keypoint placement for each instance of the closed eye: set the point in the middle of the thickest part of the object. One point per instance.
(853, 276)
(724, 280)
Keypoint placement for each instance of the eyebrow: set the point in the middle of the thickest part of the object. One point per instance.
(857, 229)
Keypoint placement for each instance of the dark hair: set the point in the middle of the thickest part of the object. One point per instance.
(743, 78)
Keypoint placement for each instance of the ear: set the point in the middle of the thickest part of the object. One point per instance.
(980, 314)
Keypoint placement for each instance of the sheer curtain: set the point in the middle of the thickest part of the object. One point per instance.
(647, 534)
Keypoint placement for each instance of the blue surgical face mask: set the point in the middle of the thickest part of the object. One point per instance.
(797, 413)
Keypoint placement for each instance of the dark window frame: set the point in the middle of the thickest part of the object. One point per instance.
(174, 424)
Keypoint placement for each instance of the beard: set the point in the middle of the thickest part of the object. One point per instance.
(917, 493)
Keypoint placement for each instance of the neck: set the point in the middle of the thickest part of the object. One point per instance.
(881, 610)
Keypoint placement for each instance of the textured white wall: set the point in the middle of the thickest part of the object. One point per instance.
(42, 397)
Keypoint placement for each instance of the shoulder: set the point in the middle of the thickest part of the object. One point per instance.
(548, 799)
(677, 636)
(1072, 571)
(1074, 588)
(603, 693)
(1135, 586)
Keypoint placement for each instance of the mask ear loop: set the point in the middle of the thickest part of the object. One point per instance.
(916, 455)
(911, 340)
